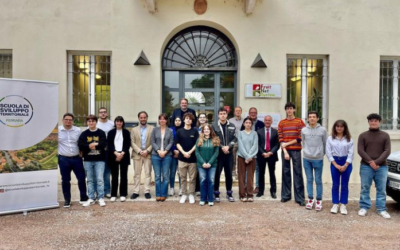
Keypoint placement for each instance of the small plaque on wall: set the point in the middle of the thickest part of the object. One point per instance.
(263, 90)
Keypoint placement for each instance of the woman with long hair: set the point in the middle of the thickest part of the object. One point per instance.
(201, 121)
(174, 161)
(247, 153)
(339, 151)
(119, 143)
(207, 149)
(162, 140)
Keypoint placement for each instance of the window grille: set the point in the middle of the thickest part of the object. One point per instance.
(389, 94)
(5, 65)
(89, 83)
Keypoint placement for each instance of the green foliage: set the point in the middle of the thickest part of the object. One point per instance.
(315, 102)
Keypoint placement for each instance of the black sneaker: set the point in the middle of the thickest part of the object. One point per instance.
(229, 196)
(67, 204)
(147, 195)
(216, 196)
(134, 196)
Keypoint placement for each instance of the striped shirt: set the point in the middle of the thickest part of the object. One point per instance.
(289, 130)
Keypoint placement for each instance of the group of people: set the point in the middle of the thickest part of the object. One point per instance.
(200, 151)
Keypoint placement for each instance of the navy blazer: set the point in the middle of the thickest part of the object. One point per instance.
(273, 142)
(126, 145)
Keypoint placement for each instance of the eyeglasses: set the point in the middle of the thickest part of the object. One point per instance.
(102, 112)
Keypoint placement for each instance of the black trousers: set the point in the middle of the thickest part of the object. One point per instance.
(116, 169)
(225, 162)
(298, 183)
(262, 162)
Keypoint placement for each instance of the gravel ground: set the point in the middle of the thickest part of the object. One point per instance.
(263, 224)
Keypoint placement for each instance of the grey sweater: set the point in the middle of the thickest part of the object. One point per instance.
(247, 144)
(314, 141)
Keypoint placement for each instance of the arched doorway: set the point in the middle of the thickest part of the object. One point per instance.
(200, 64)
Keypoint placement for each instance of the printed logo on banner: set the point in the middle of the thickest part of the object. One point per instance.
(15, 111)
(1, 191)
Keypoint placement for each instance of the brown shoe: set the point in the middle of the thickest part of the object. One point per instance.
(255, 190)
(162, 198)
(158, 198)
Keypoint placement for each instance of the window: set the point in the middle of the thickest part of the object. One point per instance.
(389, 93)
(307, 85)
(89, 83)
(5, 64)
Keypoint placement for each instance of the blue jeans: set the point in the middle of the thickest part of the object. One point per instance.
(207, 177)
(106, 178)
(313, 167)
(343, 184)
(75, 164)
(161, 174)
(95, 177)
(380, 178)
(172, 173)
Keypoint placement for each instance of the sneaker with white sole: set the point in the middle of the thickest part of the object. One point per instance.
(318, 205)
(102, 203)
(191, 199)
(198, 193)
(202, 203)
(211, 204)
(335, 208)
(122, 198)
(89, 202)
(362, 212)
(113, 199)
(183, 199)
(310, 204)
(384, 214)
(343, 209)
(180, 192)
(108, 195)
(171, 192)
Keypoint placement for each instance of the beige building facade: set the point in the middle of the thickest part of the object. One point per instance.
(340, 57)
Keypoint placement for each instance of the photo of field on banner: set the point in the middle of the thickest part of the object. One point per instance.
(28, 145)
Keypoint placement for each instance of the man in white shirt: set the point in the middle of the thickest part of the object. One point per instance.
(106, 125)
(70, 160)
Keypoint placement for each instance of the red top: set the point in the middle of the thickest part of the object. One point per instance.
(289, 130)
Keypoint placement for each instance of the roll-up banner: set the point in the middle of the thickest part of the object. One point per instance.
(28, 145)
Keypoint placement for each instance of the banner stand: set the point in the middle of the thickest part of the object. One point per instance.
(26, 210)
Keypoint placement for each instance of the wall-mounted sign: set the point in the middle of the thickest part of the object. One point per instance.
(200, 6)
(263, 90)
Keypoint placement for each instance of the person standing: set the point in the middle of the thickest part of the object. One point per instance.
(226, 133)
(207, 149)
(186, 138)
(92, 144)
(141, 154)
(174, 161)
(340, 153)
(181, 111)
(257, 125)
(313, 137)
(247, 152)
(106, 125)
(237, 120)
(162, 140)
(374, 149)
(118, 144)
(268, 146)
(70, 160)
(201, 121)
(289, 131)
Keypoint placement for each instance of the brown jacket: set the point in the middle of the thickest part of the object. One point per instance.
(137, 142)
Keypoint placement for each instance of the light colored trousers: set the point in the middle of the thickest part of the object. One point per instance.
(144, 163)
(186, 168)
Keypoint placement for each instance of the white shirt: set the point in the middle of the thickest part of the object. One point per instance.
(68, 141)
(118, 141)
(336, 147)
(105, 126)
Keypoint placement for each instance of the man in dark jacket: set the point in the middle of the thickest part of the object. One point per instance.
(180, 112)
(227, 135)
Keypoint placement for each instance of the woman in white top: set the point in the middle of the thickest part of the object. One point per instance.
(339, 151)
(118, 143)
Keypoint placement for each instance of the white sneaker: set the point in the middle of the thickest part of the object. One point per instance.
(202, 203)
(343, 209)
(197, 193)
(89, 202)
(180, 192)
(362, 212)
(211, 204)
(122, 198)
(102, 202)
(384, 214)
(183, 199)
(191, 199)
(171, 192)
(310, 204)
(318, 205)
(335, 208)
(108, 195)
(113, 199)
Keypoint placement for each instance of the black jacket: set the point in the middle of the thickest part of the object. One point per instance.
(227, 137)
(274, 143)
(179, 113)
(126, 145)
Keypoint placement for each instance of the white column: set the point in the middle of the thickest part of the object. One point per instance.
(395, 93)
(70, 90)
(92, 86)
(324, 114)
(304, 95)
